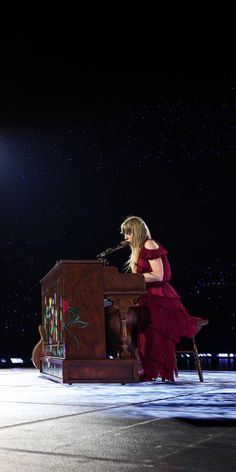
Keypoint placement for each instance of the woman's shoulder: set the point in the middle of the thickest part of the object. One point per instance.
(151, 244)
(152, 250)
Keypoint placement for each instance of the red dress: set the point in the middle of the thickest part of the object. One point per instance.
(169, 320)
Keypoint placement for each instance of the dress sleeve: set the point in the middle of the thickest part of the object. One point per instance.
(149, 254)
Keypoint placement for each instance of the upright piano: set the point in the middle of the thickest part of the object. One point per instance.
(73, 322)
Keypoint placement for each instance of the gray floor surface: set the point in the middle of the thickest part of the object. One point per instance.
(179, 426)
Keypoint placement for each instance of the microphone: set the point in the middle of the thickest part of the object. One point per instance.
(110, 250)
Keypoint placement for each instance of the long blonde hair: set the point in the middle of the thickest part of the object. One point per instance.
(140, 232)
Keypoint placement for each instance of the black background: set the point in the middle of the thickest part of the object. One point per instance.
(86, 142)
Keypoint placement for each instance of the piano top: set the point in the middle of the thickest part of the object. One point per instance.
(113, 281)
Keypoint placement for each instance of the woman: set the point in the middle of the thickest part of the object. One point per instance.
(159, 319)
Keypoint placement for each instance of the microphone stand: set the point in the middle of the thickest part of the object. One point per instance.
(102, 256)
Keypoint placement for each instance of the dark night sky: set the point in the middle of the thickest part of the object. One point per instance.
(81, 149)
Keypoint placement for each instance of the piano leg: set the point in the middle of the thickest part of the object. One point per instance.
(125, 353)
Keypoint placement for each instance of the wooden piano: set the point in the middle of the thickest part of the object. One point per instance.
(73, 322)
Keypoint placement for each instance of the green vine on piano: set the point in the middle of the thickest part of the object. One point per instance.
(73, 321)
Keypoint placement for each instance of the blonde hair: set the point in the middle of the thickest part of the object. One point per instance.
(140, 232)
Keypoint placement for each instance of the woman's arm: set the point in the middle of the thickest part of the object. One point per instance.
(157, 272)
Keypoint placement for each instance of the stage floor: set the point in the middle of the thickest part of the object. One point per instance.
(184, 425)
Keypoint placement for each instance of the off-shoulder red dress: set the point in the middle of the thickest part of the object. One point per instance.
(169, 320)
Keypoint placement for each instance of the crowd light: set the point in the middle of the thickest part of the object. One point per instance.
(17, 360)
(226, 355)
(208, 355)
(10, 362)
(205, 354)
(3, 360)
